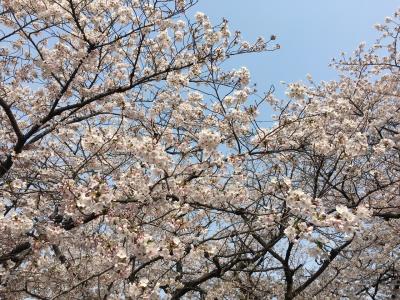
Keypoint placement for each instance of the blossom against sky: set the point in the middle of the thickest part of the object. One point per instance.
(310, 32)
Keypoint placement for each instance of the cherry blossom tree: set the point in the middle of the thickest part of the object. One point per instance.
(132, 164)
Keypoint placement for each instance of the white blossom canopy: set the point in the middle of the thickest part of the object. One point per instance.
(132, 164)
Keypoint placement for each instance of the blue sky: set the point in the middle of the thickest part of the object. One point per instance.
(310, 32)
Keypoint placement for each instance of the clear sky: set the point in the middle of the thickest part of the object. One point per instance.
(310, 32)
